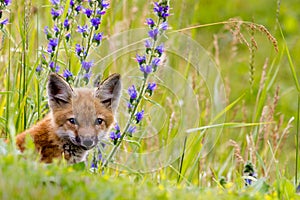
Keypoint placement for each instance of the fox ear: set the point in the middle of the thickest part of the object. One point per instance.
(59, 91)
(109, 91)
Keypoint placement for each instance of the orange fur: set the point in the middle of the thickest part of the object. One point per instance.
(78, 119)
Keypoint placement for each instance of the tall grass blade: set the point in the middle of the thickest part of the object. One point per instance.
(228, 108)
(297, 140)
(182, 159)
(227, 125)
(291, 64)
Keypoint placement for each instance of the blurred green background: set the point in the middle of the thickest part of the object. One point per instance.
(271, 148)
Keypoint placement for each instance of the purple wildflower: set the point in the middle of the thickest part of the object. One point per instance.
(146, 69)
(78, 8)
(153, 33)
(53, 42)
(78, 49)
(139, 116)
(148, 44)
(88, 12)
(140, 59)
(249, 181)
(55, 29)
(67, 24)
(87, 77)
(164, 26)
(150, 22)
(97, 38)
(83, 30)
(159, 49)
(67, 74)
(57, 68)
(68, 36)
(151, 86)
(155, 62)
(86, 65)
(249, 171)
(46, 30)
(55, 2)
(4, 22)
(116, 134)
(129, 106)
(117, 127)
(7, 2)
(56, 13)
(94, 165)
(53, 67)
(131, 130)
(104, 5)
(101, 12)
(161, 10)
(72, 3)
(157, 8)
(39, 68)
(132, 93)
(95, 22)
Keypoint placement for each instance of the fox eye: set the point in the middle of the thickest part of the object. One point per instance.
(98, 121)
(72, 120)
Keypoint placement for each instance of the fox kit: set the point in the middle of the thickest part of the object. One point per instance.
(78, 119)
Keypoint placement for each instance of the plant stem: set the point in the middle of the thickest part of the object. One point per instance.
(88, 46)
(133, 112)
(8, 87)
(297, 139)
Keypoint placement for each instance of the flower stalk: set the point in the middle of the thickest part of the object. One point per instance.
(147, 67)
(64, 16)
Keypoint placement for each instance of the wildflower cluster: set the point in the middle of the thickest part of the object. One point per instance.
(115, 134)
(66, 26)
(148, 63)
(3, 6)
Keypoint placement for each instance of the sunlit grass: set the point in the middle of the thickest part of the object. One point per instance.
(261, 118)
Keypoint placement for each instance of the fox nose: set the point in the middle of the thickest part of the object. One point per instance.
(87, 143)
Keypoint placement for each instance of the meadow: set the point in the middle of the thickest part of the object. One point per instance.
(222, 121)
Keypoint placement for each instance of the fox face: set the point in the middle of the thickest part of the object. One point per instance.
(81, 116)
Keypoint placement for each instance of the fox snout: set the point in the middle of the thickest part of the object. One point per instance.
(86, 142)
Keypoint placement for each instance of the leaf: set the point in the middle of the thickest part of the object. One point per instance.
(5, 92)
(291, 64)
(228, 108)
(260, 186)
(133, 142)
(229, 125)
(79, 166)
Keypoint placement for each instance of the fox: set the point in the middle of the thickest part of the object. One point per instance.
(78, 119)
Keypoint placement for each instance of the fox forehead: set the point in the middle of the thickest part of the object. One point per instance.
(87, 107)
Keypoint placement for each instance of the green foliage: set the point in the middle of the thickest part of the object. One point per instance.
(26, 179)
(261, 117)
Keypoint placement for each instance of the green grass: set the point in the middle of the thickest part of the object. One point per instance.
(21, 179)
(212, 127)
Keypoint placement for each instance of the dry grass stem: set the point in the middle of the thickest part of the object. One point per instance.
(237, 152)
